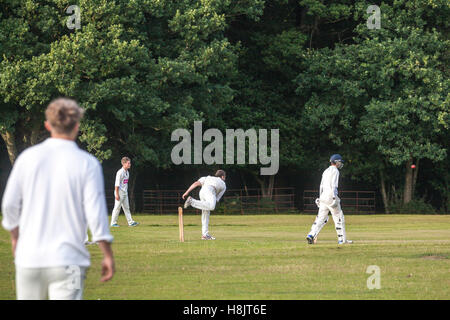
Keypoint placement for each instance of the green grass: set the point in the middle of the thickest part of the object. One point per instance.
(266, 257)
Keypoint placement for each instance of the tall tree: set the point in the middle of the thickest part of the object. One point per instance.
(384, 98)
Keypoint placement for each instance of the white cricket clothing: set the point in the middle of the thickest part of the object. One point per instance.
(206, 204)
(205, 222)
(328, 191)
(215, 184)
(121, 203)
(329, 185)
(122, 177)
(322, 219)
(212, 190)
(58, 283)
(54, 193)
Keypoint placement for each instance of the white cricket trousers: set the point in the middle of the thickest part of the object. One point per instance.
(58, 283)
(207, 203)
(322, 219)
(121, 203)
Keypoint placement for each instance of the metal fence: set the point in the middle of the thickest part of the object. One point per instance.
(251, 201)
(242, 201)
(235, 201)
(351, 201)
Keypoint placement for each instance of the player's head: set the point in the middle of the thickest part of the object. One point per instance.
(221, 174)
(126, 162)
(336, 159)
(63, 117)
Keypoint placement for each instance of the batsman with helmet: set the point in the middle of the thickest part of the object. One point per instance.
(329, 201)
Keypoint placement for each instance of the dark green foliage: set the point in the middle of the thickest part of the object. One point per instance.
(417, 206)
(310, 68)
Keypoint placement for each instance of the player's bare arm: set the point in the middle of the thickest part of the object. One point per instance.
(14, 236)
(117, 193)
(108, 264)
(192, 187)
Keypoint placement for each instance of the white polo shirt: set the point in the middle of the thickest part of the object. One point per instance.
(215, 184)
(122, 177)
(329, 184)
(54, 193)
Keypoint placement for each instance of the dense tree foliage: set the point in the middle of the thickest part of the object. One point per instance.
(310, 68)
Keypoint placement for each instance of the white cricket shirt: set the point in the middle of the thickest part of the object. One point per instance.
(329, 184)
(54, 193)
(215, 184)
(122, 177)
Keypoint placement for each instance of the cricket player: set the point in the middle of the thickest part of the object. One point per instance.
(330, 202)
(54, 193)
(121, 194)
(212, 190)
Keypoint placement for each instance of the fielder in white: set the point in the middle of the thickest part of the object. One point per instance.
(54, 193)
(212, 190)
(329, 202)
(121, 194)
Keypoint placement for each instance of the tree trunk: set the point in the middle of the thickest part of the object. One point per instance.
(394, 196)
(271, 184)
(245, 183)
(131, 185)
(34, 136)
(383, 192)
(415, 172)
(266, 188)
(408, 188)
(11, 147)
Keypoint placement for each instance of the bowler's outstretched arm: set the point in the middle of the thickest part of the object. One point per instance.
(192, 187)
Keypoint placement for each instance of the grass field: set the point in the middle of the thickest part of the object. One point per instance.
(266, 257)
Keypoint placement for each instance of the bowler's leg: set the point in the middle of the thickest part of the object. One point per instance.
(207, 200)
(205, 222)
(206, 203)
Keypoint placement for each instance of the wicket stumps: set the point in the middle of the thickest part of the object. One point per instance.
(180, 223)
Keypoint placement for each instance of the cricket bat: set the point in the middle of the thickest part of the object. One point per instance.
(180, 223)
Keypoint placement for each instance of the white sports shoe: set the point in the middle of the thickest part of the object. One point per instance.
(208, 237)
(188, 202)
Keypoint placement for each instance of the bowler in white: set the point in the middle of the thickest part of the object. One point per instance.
(54, 193)
(121, 194)
(213, 188)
